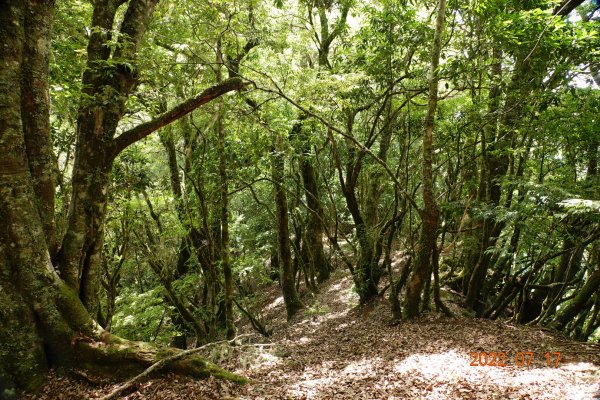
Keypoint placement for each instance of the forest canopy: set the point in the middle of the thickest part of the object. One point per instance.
(163, 163)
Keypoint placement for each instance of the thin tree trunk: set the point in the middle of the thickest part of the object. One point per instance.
(224, 215)
(224, 206)
(430, 212)
(286, 275)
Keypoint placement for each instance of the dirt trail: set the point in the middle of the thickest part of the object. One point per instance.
(334, 350)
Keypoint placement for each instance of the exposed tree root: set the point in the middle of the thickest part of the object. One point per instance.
(183, 362)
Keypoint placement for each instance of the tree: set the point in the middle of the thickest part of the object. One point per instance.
(430, 212)
(286, 275)
(44, 299)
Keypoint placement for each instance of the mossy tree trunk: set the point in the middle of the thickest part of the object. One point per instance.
(45, 321)
(430, 214)
(107, 81)
(35, 110)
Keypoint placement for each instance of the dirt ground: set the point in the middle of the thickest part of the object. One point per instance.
(335, 350)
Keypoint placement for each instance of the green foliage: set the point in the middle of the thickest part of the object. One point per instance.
(533, 115)
(317, 309)
(142, 316)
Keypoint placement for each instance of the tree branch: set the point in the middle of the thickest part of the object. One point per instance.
(566, 6)
(141, 131)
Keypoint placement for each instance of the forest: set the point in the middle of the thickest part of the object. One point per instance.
(311, 199)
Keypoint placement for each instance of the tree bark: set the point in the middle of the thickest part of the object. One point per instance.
(224, 215)
(566, 6)
(44, 319)
(286, 275)
(35, 111)
(106, 87)
(566, 314)
(430, 213)
(312, 239)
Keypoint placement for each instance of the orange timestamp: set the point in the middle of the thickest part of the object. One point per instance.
(502, 359)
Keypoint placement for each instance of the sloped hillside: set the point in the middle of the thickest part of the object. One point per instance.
(335, 350)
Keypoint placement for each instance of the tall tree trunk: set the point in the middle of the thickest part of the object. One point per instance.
(312, 238)
(430, 213)
(497, 162)
(224, 209)
(22, 354)
(225, 258)
(526, 78)
(478, 239)
(366, 275)
(312, 242)
(286, 275)
(106, 87)
(107, 82)
(35, 112)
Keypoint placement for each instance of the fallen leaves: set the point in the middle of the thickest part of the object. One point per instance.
(354, 354)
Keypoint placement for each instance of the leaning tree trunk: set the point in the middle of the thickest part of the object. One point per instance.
(430, 213)
(574, 307)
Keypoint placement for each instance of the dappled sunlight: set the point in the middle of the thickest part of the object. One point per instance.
(278, 302)
(579, 366)
(335, 350)
(439, 366)
(344, 325)
(362, 368)
(343, 293)
(437, 376)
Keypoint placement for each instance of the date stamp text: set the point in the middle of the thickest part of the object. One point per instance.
(519, 359)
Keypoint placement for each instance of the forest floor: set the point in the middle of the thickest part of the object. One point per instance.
(336, 350)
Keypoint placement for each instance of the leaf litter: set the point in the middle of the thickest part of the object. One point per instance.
(337, 350)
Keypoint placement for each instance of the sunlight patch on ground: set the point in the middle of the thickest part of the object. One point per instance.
(276, 303)
(344, 325)
(452, 367)
(343, 292)
(304, 340)
(580, 366)
(316, 321)
(362, 368)
(337, 352)
(310, 388)
(444, 365)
